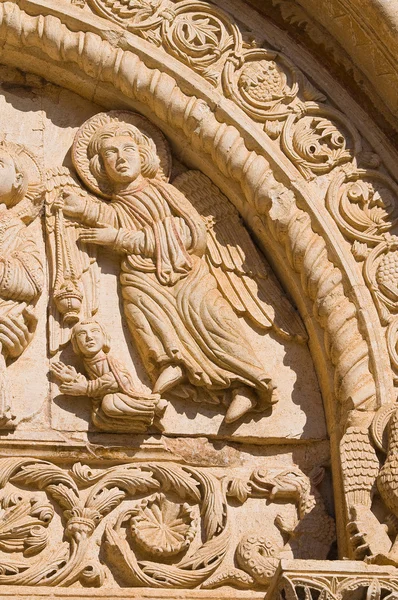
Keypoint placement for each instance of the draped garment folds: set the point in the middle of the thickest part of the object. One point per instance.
(111, 384)
(21, 270)
(174, 309)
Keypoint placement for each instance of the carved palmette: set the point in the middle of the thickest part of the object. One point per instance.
(74, 271)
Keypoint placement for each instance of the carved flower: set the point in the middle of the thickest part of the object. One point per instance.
(163, 527)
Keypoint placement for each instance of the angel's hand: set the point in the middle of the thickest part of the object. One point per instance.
(70, 203)
(105, 236)
(65, 373)
(15, 335)
(78, 387)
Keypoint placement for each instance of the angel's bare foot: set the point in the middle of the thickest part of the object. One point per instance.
(244, 399)
(161, 407)
(168, 378)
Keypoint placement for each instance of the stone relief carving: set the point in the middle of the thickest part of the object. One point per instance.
(279, 218)
(257, 557)
(21, 269)
(316, 145)
(117, 403)
(320, 579)
(182, 280)
(172, 530)
(278, 214)
(74, 273)
(264, 83)
(363, 203)
(380, 548)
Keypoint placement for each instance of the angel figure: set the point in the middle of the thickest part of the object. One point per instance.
(182, 288)
(117, 405)
(21, 269)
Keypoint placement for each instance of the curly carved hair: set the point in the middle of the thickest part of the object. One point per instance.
(147, 149)
(21, 189)
(75, 330)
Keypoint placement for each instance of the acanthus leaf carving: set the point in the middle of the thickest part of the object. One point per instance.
(258, 556)
(318, 138)
(363, 203)
(168, 537)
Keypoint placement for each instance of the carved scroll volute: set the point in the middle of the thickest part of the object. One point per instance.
(202, 36)
(262, 82)
(143, 18)
(362, 202)
(317, 138)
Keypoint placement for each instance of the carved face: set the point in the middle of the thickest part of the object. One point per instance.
(89, 339)
(121, 159)
(10, 180)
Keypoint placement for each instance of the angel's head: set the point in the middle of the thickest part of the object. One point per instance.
(13, 177)
(88, 338)
(120, 153)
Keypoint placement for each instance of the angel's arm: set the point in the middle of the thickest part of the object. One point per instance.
(88, 210)
(21, 271)
(95, 212)
(142, 242)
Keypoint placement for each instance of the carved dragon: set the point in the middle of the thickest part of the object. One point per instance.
(310, 534)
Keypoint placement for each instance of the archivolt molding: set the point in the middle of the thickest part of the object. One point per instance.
(356, 37)
(316, 139)
(367, 31)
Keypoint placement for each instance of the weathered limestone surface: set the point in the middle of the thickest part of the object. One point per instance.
(198, 311)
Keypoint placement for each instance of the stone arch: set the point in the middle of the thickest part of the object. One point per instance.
(300, 237)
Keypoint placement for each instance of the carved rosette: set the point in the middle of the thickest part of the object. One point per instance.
(162, 527)
(56, 44)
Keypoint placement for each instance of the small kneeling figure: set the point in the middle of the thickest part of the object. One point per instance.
(117, 405)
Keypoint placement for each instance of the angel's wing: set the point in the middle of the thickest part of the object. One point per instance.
(243, 276)
(73, 267)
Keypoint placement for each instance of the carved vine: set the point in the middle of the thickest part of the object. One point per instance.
(289, 225)
(23, 523)
(171, 531)
(264, 83)
(315, 137)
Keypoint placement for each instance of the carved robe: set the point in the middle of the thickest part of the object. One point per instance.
(21, 270)
(174, 309)
(113, 388)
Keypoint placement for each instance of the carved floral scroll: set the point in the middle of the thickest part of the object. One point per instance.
(319, 141)
(172, 531)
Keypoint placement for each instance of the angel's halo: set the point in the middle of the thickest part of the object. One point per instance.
(28, 161)
(83, 136)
